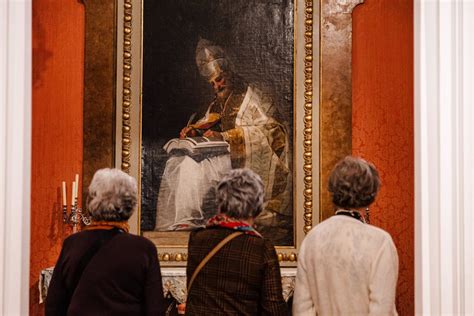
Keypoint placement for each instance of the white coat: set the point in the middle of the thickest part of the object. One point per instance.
(346, 267)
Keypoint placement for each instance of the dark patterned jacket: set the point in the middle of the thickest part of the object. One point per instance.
(243, 278)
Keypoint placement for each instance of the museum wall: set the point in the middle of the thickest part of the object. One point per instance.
(382, 123)
(58, 45)
(382, 95)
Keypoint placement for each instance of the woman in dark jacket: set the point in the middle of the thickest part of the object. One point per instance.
(104, 270)
(243, 277)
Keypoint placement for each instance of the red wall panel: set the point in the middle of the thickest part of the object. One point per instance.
(383, 122)
(58, 57)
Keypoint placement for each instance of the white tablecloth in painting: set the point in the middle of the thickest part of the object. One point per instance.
(174, 282)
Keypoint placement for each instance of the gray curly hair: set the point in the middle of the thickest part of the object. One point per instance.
(353, 183)
(240, 194)
(112, 195)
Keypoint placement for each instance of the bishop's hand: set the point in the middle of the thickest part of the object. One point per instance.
(187, 131)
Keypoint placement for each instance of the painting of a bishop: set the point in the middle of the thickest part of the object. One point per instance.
(243, 117)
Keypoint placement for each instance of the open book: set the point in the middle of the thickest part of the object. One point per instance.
(197, 147)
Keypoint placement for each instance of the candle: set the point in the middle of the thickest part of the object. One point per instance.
(77, 187)
(64, 193)
(72, 192)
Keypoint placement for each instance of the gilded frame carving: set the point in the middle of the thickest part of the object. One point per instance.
(322, 104)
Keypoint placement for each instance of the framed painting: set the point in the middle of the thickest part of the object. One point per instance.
(188, 90)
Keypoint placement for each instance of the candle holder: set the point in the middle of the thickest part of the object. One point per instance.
(65, 216)
(75, 218)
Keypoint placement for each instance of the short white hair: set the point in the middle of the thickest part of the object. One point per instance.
(112, 195)
(240, 194)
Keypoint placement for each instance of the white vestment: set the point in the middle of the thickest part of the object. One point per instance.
(259, 142)
(183, 190)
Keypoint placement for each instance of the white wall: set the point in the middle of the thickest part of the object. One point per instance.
(15, 155)
(444, 157)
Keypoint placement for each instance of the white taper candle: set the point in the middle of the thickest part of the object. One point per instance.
(77, 187)
(64, 193)
(73, 190)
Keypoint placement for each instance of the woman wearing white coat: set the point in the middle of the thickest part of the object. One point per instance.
(345, 265)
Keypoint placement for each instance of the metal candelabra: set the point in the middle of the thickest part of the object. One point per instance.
(75, 218)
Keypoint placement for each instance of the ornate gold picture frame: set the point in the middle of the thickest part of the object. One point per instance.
(321, 106)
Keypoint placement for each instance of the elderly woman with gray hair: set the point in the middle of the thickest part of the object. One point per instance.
(232, 269)
(345, 265)
(104, 270)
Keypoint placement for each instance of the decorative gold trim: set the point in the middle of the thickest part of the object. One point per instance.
(291, 257)
(308, 121)
(183, 256)
(127, 78)
(173, 257)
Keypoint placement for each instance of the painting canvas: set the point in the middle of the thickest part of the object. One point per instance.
(216, 72)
